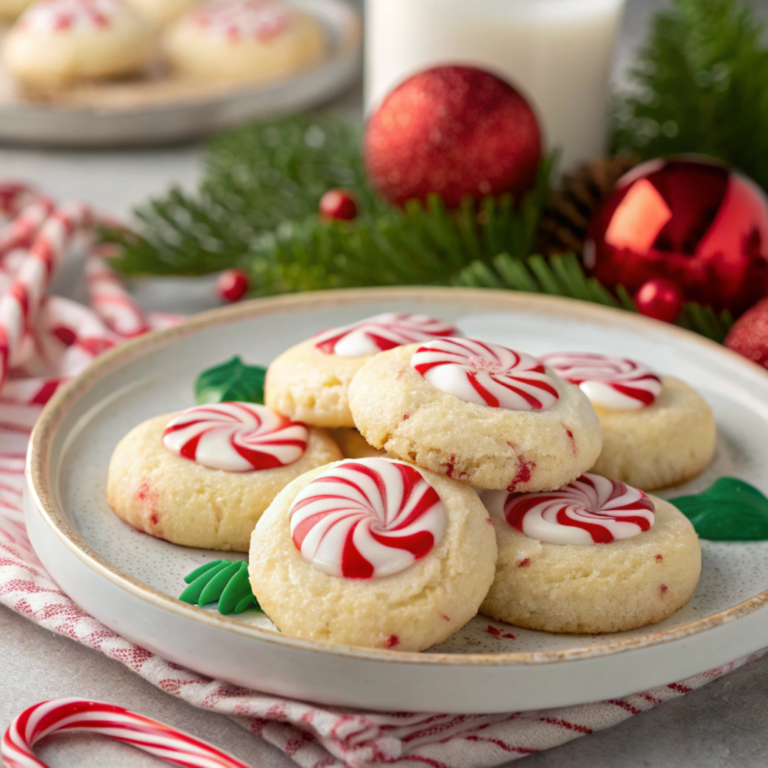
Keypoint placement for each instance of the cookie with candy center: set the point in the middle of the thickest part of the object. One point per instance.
(375, 553)
(203, 477)
(657, 430)
(477, 412)
(595, 556)
(309, 382)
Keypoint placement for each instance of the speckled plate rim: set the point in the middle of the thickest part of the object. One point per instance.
(45, 430)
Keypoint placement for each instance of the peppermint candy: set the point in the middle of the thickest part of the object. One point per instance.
(590, 510)
(236, 20)
(48, 16)
(610, 382)
(486, 374)
(380, 333)
(236, 437)
(367, 519)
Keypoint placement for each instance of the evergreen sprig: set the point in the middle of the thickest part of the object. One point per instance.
(564, 276)
(700, 85)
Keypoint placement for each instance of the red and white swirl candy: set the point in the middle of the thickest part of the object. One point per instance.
(47, 16)
(367, 518)
(486, 374)
(236, 20)
(380, 333)
(590, 510)
(610, 382)
(236, 437)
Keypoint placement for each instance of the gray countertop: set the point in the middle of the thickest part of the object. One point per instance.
(720, 725)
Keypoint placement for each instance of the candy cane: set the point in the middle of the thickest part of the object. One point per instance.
(15, 196)
(112, 303)
(23, 229)
(82, 715)
(20, 303)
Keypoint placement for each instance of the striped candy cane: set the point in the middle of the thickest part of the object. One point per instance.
(23, 229)
(15, 196)
(82, 715)
(20, 303)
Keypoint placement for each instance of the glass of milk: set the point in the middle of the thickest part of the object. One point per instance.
(558, 53)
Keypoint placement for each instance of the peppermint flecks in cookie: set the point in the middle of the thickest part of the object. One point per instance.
(380, 333)
(590, 510)
(486, 374)
(609, 382)
(236, 20)
(51, 16)
(367, 518)
(236, 437)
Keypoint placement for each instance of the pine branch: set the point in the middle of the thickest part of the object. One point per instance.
(700, 85)
(563, 275)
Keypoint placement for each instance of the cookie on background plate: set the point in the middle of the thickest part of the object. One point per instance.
(10, 9)
(244, 40)
(203, 477)
(477, 412)
(657, 430)
(309, 382)
(353, 445)
(59, 42)
(596, 556)
(374, 553)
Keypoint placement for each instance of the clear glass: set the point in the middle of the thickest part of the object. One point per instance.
(557, 52)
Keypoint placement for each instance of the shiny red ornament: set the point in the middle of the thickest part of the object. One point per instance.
(749, 336)
(339, 204)
(453, 131)
(232, 285)
(689, 220)
(660, 299)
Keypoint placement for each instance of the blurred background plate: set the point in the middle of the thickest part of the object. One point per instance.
(160, 109)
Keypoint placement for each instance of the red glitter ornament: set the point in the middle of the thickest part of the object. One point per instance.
(749, 336)
(660, 299)
(232, 285)
(338, 204)
(690, 220)
(453, 131)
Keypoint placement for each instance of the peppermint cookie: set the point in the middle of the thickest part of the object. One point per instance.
(57, 42)
(309, 382)
(375, 553)
(657, 431)
(477, 412)
(595, 556)
(244, 40)
(204, 477)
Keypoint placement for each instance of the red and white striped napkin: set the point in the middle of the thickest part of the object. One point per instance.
(44, 340)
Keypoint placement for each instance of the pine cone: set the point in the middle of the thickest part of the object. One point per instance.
(580, 193)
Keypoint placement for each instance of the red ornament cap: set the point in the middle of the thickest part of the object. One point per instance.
(453, 131)
(232, 285)
(691, 221)
(339, 204)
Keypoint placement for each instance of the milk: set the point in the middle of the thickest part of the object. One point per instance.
(558, 53)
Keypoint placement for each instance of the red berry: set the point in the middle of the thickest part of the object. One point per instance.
(453, 131)
(339, 204)
(660, 299)
(232, 285)
(749, 336)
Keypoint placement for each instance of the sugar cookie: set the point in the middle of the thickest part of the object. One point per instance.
(477, 412)
(10, 9)
(595, 556)
(375, 553)
(57, 42)
(353, 445)
(309, 382)
(204, 477)
(244, 40)
(657, 431)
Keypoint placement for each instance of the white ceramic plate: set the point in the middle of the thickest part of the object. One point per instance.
(130, 581)
(160, 109)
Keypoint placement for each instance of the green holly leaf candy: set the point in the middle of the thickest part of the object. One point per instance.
(221, 581)
(729, 510)
(231, 381)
